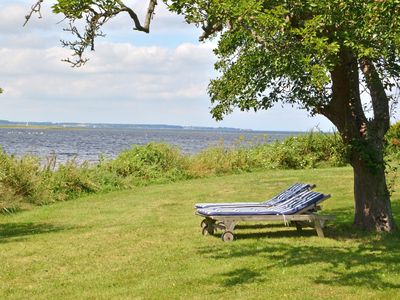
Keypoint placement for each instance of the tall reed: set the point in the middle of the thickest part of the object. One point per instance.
(26, 180)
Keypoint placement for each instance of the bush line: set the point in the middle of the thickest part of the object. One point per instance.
(26, 180)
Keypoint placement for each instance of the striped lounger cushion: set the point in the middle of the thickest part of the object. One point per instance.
(292, 206)
(286, 194)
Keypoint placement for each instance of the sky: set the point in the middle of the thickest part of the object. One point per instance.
(131, 78)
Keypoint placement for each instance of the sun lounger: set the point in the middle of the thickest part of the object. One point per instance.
(286, 194)
(300, 208)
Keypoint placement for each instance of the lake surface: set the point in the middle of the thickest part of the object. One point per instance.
(88, 144)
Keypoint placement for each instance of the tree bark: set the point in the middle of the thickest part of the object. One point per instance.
(372, 201)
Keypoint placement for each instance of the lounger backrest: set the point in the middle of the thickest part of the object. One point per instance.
(288, 193)
(299, 203)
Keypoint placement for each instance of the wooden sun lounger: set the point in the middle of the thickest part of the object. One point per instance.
(227, 223)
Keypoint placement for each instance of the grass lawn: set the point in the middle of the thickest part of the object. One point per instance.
(146, 244)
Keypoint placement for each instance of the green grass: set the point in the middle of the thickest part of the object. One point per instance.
(146, 244)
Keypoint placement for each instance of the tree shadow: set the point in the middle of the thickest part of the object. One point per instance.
(357, 258)
(16, 231)
(240, 276)
(284, 233)
(365, 264)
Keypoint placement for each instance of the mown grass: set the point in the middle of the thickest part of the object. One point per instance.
(145, 243)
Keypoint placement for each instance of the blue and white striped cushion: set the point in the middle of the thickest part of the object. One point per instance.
(293, 206)
(287, 194)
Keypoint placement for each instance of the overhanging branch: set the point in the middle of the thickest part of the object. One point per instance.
(135, 18)
(95, 16)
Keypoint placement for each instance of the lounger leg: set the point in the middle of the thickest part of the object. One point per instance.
(229, 226)
(298, 226)
(318, 227)
(208, 227)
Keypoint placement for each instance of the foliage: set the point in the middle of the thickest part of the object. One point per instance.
(393, 157)
(308, 151)
(272, 51)
(393, 140)
(151, 162)
(69, 181)
(20, 178)
(220, 160)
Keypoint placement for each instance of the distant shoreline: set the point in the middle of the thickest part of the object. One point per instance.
(72, 126)
(205, 129)
(42, 127)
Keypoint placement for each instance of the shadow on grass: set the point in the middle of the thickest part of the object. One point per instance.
(10, 231)
(360, 259)
(240, 276)
(365, 265)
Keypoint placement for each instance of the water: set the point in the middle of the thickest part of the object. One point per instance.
(88, 144)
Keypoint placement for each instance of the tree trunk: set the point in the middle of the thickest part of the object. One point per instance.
(365, 138)
(372, 202)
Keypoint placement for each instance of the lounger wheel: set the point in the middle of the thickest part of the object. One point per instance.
(207, 230)
(227, 236)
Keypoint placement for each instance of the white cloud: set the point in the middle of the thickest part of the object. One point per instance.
(119, 71)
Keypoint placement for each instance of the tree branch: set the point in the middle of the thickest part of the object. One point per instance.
(209, 29)
(35, 9)
(135, 18)
(96, 15)
(380, 101)
(345, 108)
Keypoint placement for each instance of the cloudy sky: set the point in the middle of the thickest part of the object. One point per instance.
(132, 77)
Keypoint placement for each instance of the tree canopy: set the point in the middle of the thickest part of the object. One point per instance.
(338, 58)
(272, 51)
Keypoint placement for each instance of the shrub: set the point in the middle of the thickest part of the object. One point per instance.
(304, 151)
(20, 177)
(149, 163)
(393, 156)
(393, 140)
(69, 181)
